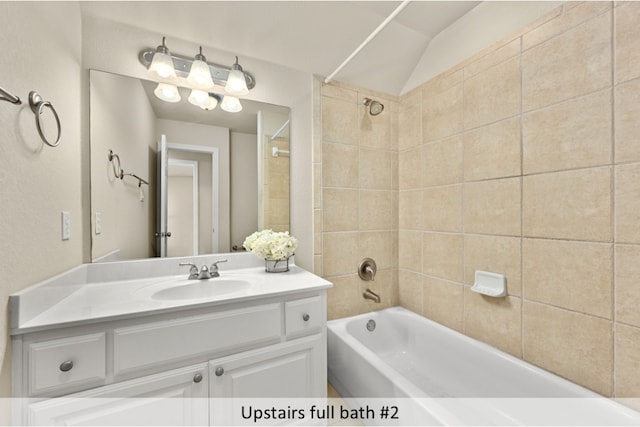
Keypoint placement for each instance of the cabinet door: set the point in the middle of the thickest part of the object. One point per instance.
(178, 397)
(294, 369)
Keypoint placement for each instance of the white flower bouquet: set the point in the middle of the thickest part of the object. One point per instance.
(271, 245)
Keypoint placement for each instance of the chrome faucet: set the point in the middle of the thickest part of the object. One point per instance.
(369, 294)
(205, 272)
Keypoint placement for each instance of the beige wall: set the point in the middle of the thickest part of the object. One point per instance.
(244, 186)
(38, 182)
(127, 128)
(355, 197)
(524, 160)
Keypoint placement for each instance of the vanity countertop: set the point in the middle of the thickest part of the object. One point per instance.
(53, 304)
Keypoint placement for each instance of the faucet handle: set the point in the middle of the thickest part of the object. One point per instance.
(193, 271)
(214, 267)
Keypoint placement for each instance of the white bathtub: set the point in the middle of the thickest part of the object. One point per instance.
(439, 376)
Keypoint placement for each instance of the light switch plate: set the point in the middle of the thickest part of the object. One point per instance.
(66, 225)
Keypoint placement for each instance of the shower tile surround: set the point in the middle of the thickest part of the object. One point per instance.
(355, 201)
(523, 160)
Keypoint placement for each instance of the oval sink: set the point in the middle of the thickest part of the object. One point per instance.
(201, 289)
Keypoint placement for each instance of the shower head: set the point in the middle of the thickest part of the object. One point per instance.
(375, 107)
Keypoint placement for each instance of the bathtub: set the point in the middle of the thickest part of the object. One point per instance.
(437, 376)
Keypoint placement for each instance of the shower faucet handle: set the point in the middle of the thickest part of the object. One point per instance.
(367, 269)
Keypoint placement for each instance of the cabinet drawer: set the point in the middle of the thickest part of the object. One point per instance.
(302, 316)
(66, 364)
(155, 343)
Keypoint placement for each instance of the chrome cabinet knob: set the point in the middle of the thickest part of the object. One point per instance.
(66, 366)
(306, 317)
(219, 372)
(197, 377)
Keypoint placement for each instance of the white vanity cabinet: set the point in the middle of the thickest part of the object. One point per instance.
(172, 368)
(177, 397)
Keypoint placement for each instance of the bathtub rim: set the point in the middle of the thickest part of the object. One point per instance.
(341, 325)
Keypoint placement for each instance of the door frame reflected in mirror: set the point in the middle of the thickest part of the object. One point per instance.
(214, 152)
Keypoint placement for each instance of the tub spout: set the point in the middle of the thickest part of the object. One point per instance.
(369, 294)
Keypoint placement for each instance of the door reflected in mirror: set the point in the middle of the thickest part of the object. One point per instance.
(182, 204)
(238, 162)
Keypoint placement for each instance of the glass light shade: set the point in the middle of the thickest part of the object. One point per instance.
(198, 97)
(210, 104)
(231, 104)
(162, 66)
(236, 83)
(200, 75)
(167, 92)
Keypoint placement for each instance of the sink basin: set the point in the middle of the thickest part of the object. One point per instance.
(201, 289)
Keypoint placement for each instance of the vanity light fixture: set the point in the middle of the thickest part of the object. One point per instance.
(167, 92)
(162, 65)
(236, 83)
(199, 98)
(211, 103)
(199, 75)
(231, 104)
(209, 83)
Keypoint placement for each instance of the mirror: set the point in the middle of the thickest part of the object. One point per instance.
(227, 174)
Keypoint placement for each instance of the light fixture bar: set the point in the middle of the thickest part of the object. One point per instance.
(182, 65)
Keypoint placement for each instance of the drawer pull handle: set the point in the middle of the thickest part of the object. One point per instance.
(197, 377)
(306, 317)
(219, 372)
(66, 366)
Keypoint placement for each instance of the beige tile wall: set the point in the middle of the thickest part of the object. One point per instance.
(525, 160)
(356, 196)
(522, 160)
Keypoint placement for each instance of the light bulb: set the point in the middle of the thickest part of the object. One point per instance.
(210, 104)
(200, 75)
(167, 92)
(231, 104)
(198, 97)
(162, 64)
(236, 82)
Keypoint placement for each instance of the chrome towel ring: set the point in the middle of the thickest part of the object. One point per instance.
(38, 105)
(117, 170)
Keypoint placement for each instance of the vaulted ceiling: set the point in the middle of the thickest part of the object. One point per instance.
(310, 36)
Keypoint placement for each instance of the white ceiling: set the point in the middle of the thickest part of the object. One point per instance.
(310, 36)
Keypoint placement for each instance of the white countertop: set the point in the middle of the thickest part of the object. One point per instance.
(44, 307)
